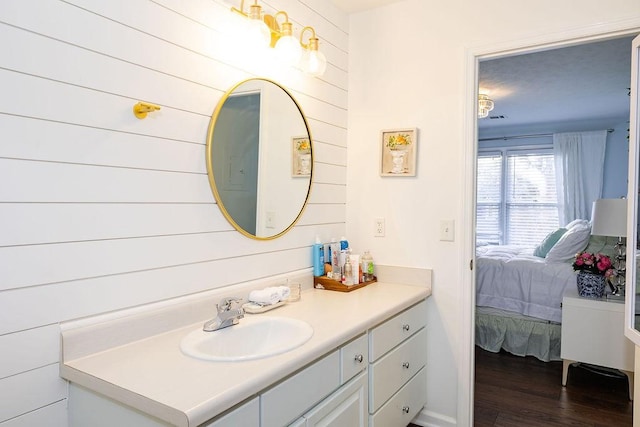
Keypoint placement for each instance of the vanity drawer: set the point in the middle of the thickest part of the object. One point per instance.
(392, 332)
(353, 358)
(389, 374)
(288, 400)
(404, 405)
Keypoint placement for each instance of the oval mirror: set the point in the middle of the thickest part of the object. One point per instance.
(259, 158)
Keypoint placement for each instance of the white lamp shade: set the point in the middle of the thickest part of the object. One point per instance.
(609, 217)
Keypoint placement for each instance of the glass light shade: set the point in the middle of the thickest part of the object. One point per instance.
(288, 50)
(257, 33)
(485, 104)
(314, 62)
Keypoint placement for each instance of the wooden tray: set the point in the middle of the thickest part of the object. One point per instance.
(323, 282)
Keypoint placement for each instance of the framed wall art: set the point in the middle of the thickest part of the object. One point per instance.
(399, 148)
(301, 156)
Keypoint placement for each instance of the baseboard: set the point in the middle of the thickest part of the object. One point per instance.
(426, 418)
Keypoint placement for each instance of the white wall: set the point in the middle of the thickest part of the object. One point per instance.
(101, 211)
(409, 67)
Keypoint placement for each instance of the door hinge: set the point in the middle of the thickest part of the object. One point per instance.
(471, 265)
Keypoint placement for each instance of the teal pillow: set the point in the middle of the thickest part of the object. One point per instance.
(547, 243)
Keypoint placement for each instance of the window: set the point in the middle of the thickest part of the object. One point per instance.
(516, 196)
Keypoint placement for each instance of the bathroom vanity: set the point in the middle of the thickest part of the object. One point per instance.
(364, 365)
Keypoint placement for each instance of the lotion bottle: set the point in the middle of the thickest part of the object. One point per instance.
(318, 258)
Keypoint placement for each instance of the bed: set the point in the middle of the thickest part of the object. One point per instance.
(519, 294)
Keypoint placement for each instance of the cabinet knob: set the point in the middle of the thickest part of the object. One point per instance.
(359, 358)
(405, 365)
(405, 327)
(405, 409)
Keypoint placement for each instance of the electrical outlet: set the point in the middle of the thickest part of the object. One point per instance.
(378, 227)
(271, 220)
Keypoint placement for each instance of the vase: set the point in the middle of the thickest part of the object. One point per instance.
(397, 158)
(591, 285)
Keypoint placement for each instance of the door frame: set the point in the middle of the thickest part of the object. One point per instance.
(473, 56)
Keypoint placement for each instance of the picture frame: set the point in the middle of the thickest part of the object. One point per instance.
(398, 152)
(300, 156)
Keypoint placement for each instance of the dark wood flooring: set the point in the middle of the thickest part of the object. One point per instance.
(525, 392)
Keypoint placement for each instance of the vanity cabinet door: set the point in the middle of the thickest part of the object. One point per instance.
(347, 407)
(285, 402)
(353, 358)
(247, 415)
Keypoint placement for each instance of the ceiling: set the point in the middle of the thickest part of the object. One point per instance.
(352, 6)
(583, 87)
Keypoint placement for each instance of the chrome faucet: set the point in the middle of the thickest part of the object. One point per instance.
(229, 313)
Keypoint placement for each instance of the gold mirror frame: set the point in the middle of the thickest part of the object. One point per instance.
(210, 168)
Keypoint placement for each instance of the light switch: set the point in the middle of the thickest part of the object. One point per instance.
(447, 231)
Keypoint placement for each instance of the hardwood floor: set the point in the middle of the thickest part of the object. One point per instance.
(523, 391)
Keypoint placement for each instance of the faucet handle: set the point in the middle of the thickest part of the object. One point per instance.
(227, 303)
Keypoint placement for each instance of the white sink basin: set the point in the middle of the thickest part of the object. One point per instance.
(254, 337)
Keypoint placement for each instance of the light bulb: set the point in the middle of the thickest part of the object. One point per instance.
(314, 63)
(288, 49)
(257, 33)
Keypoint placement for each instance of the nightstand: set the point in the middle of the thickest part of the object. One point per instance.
(593, 333)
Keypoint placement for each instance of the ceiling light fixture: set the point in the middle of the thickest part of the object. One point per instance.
(485, 104)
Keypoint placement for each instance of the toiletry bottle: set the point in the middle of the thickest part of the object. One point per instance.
(336, 272)
(347, 276)
(344, 246)
(318, 258)
(367, 267)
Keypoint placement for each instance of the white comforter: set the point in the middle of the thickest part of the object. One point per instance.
(511, 278)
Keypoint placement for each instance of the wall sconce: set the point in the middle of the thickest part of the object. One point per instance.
(313, 61)
(264, 29)
(287, 47)
(141, 109)
(256, 32)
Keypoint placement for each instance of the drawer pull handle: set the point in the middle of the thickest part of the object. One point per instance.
(405, 409)
(359, 358)
(405, 365)
(405, 327)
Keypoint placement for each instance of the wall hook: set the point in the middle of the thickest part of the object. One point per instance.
(141, 109)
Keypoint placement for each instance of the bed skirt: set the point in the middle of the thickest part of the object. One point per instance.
(518, 334)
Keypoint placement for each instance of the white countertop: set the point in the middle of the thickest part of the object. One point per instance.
(153, 376)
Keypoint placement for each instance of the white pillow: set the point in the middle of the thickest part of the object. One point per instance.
(576, 222)
(572, 242)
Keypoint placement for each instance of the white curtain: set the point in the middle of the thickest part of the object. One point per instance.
(579, 161)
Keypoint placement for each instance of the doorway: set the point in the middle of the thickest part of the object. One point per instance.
(473, 135)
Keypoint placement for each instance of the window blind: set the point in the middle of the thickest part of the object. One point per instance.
(516, 196)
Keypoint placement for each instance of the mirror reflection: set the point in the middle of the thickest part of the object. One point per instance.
(259, 158)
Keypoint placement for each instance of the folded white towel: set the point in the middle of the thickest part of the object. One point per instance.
(270, 295)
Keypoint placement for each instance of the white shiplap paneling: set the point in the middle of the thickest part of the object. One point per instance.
(99, 210)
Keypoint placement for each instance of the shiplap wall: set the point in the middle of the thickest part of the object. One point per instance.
(101, 211)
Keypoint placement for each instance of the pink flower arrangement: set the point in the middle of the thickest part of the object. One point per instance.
(594, 263)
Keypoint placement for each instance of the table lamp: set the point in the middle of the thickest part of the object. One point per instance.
(609, 218)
